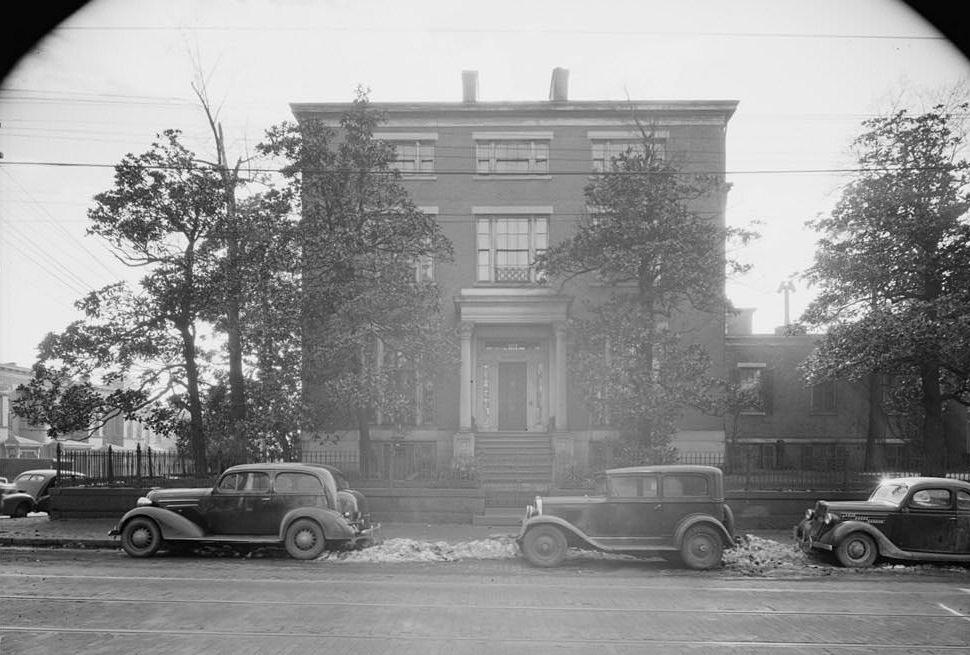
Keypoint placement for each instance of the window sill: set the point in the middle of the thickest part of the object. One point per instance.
(418, 176)
(511, 176)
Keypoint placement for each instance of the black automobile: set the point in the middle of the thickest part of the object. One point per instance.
(674, 511)
(297, 506)
(917, 519)
(31, 491)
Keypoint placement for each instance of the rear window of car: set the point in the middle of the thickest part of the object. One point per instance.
(298, 483)
(682, 486)
(931, 498)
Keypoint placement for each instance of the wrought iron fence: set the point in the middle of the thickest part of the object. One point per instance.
(116, 467)
(397, 463)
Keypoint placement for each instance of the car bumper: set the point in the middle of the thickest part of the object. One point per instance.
(371, 536)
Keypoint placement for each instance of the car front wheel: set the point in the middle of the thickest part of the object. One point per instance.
(305, 539)
(545, 545)
(702, 548)
(141, 537)
(20, 511)
(857, 550)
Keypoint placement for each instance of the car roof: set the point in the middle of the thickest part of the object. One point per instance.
(663, 468)
(50, 472)
(920, 480)
(276, 466)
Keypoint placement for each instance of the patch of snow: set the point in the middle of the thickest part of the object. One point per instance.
(412, 550)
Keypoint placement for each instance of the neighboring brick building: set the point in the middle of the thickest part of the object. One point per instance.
(797, 426)
(505, 180)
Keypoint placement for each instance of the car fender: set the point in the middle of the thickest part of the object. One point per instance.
(173, 526)
(10, 501)
(691, 520)
(842, 530)
(574, 535)
(335, 527)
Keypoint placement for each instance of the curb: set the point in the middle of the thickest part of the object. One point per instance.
(36, 542)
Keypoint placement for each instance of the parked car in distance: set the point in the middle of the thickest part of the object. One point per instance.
(297, 506)
(916, 519)
(31, 491)
(675, 511)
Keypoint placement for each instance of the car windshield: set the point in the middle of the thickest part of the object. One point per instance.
(890, 492)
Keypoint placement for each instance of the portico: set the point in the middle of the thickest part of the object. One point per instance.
(513, 360)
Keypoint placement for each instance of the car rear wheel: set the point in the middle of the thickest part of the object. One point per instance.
(857, 550)
(20, 511)
(141, 537)
(305, 539)
(545, 545)
(702, 548)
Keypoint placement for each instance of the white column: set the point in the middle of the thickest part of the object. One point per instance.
(561, 401)
(466, 387)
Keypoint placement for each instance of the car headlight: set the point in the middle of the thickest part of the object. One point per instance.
(809, 514)
(538, 505)
(831, 518)
(143, 502)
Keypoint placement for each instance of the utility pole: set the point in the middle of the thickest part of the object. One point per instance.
(788, 287)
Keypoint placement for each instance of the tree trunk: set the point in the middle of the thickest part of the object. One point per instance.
(196, 428)
(934, 446)
(875, 430)
(363, 429)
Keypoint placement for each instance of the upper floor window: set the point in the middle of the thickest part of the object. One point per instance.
(507, 247)
(823, 398)
(512, 153)
(414, 153)
(752, 388)
(607, 146)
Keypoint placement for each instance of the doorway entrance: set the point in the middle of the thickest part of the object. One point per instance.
(512, 395)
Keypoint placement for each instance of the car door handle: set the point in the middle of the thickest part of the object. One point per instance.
(266, 499)
(658, 507)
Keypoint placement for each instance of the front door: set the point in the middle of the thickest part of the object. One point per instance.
(512, 394)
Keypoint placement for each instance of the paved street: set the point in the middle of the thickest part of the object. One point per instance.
(103, 602)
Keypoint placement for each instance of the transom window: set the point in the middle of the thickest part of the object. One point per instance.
(508, 246)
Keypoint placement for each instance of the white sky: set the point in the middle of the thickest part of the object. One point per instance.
(107, 80)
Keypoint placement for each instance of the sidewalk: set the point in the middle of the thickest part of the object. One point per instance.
(39, 531)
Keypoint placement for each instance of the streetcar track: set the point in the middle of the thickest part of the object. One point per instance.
(585, 609)
(385, 582)
(398, 637)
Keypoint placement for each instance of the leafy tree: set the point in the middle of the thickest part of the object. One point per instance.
(159, 215)
(663, 256)
(892, 268)
(361, 238)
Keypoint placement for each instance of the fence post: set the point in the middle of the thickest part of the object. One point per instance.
(58, 453)
(111, 467)
(138, 461)
(151, 468)
(747, 468)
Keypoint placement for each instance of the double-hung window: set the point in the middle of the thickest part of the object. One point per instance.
(512, 153)
(607, 146)
(507, 246)
(414, 152)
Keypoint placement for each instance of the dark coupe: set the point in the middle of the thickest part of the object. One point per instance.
(305, 508)
(917, 518)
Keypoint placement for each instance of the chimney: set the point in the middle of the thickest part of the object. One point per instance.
(469, 86)
(559, 87)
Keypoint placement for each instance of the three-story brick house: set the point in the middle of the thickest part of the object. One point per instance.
(505, 180)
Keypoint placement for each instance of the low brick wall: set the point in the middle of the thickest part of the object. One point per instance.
(753, 510)
(93, 502)
(399, 505)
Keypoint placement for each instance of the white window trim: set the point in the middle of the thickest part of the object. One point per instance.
(531, 218)
(760, 366)
(411, 137)
(511, 209)
(512, 136)
(482, 138)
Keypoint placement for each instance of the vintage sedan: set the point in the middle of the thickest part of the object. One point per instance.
(297, 506)
(31, 490)
(677, 512)
(917, 518)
